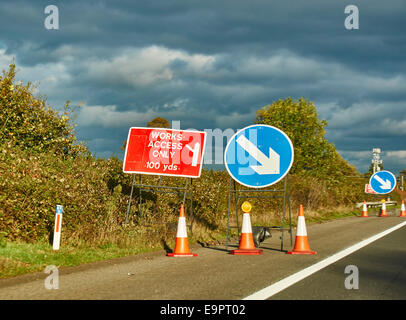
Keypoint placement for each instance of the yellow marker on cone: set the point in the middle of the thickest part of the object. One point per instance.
(301, 242)
(247, 246)
(402, 209)
(182, 243)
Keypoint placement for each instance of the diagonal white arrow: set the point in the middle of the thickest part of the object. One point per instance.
(268, 165)
(385, 185)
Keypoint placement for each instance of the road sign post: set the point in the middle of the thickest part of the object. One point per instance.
(256, 157)
(164, 152)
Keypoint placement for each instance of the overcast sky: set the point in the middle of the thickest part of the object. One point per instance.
(212, 64)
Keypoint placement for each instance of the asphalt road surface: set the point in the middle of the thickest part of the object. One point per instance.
(214, 274)
(380, 268)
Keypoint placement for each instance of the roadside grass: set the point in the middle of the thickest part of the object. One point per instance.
(337, 213)
(17, 258)
(311, 216)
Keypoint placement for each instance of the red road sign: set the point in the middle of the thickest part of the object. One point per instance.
(368, 189)
(165, 152)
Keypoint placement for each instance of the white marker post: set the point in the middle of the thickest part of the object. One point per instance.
(57, 229)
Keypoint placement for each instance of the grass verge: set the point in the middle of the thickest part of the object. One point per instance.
(17, 258)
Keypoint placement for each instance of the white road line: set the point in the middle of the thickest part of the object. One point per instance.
(296, 277)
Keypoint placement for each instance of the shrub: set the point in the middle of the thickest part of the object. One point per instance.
(26, 121)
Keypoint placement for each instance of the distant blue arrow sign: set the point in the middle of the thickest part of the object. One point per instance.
(383, 182)
(259, 156)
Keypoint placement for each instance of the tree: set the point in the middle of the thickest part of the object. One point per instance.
(402, 178)
(26, 121)
(159, 122)
(314, 154)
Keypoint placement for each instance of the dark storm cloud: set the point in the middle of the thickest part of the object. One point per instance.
(214, 63)
(308, 28)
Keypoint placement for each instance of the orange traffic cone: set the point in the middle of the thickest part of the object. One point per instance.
(247, 246)
(383, 210)
(402, 209)
(364, 210)
(301, 242)
(182, 243)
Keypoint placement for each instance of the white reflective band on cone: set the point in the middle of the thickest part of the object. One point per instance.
(246, 223)
(383, 206)
(181, 228)
(301, 226)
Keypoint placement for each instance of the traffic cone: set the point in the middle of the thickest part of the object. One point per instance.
(402, 209)
(364, 210)
(383, 210)
(301, 242)
(247, 246)
(182, 243)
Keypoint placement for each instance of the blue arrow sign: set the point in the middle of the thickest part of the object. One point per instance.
(383, 182)
(259, 156)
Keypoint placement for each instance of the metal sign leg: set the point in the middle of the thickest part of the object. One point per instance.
(228, 212)
(284, 194)
(283, 215)
(129, 202)
(236, 209)
(140, 198)
(290, 211)
(191, 206)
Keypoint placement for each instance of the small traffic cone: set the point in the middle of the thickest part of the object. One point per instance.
(383, 210)
(247, 246)
(402, 209)
(364, 210)
(182, 243)
(301, 242)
